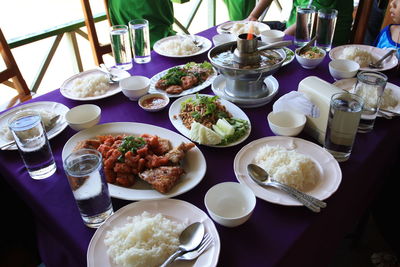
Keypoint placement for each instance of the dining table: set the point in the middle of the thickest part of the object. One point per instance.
(275, 235)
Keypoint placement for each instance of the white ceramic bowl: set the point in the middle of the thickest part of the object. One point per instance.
(83, 116)
(286, 123)
(343, 68)
(223, 38)
(272, 36)
(309, 63)
(134, 87)
(154, 102)
(230, 204)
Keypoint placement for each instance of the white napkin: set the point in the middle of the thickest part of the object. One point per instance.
(297, 102)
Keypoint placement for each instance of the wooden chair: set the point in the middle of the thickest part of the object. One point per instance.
(98, 49)
(12, 72)
(361, 21)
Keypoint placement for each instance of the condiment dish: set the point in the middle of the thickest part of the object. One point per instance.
(286, 123)
(154, 102)
(83, 116)
(135, 87)
(310, 63)
(272, 36)
(230, 204)
(343, 68)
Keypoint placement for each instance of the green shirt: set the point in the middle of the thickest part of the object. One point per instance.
(239, 9)
(344, 19)
(159, 13)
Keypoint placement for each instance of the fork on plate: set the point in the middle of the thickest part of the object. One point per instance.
(205, 244)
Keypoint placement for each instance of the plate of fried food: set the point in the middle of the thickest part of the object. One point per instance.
(142, 161)
(183, 79)
(209, 120)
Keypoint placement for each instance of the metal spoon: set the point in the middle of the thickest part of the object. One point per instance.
(274, 45)
(190, 239)
(261, 177)
(112, 78)
(378, 64)
(307, 45)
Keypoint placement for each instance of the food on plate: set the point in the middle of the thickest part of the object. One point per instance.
(178, 79)
(358, 55)
(148, 157)
(90, 85)
(287, 166)
(370, 96)
(179, 47)
(209, 121)
(289, 54)
(388, 100)
(312, 53)
(145, 240)
(244, 27)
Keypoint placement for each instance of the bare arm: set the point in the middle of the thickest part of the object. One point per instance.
(291, 30)
(258, 9)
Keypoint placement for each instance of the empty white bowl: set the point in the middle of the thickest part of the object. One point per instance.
(272, 36)
(230, 204)
(223, 38)
(154, 102)
(286, 123)
(343, 68)
(309, 63)
(135, 87)
(83, 116)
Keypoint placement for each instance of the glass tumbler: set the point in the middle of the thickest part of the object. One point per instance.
(326, 24)
(140, 37)
(121, 48)
(304, 24)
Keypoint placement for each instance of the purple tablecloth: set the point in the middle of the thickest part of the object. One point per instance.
(274, 236)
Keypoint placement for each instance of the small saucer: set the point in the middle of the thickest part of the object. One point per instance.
(218, 87)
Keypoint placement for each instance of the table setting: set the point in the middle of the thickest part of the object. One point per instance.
(273, 227)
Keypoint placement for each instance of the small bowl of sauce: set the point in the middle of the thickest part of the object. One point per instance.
(153, 102)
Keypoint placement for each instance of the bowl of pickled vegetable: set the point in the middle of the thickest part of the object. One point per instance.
(311, 57)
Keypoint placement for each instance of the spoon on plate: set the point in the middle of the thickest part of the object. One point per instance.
(261, 177)
(378, 64)
(112, 78)
(189, 240)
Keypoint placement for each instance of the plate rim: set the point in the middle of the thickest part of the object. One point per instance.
(207, 44)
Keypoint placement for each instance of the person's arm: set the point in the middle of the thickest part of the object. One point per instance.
(259, 9)
(290, 30)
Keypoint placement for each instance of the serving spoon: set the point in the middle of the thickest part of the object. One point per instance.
(274, 45)
(307, 45)
(189, 240)
(261, 177)
(378, 64)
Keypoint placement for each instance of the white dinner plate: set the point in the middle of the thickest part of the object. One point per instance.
(158, 46)
(177, 210)
(376, 52)
(194, 163)
(228, 26)
(236, 112)
(348, 85)
(192, 90)
(54, 107)
(67, 86)
(329, 177)
(219, 84)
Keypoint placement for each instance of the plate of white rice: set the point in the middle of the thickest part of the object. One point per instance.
(293, 161)
(178, 46)
(92, 85)
(363, 55)
(145, 233)
(239, 27)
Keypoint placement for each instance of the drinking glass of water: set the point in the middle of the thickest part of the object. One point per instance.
(33, 145)
(121, 47)
(140, 37)
(344, 115)
(84, 170)
(326, 24)
(370, 86)
(304, 24)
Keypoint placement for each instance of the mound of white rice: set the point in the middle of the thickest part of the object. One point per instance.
(287, 166)
(388, 99)
(145, 240)
(90, 85)
(358, 55)
(240, 27)
(179, 47)
(370, 96)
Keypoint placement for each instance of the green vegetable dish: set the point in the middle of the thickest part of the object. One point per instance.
(210, 123)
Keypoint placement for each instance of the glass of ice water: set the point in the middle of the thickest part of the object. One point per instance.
(84, 170)
(304, 24)
(326, 24)
(121, 47)
(140, 36)
(31, 139)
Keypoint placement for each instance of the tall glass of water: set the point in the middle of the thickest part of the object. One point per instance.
(370, 86)
(344, 115)
(84, 170)
(304, 24)
(121, 48)
(140, 36)
(33, 145)
(326, 24)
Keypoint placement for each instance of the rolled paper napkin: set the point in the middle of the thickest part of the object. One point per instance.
(296, 102)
